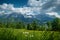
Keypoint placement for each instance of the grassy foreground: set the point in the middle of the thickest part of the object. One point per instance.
(22, 34)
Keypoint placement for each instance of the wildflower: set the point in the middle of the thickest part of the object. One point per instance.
(26, 35)
(25, 32)
(31, 35)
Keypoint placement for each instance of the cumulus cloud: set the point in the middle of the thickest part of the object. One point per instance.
(28, 16)
(35, 8)
(37, 3)
(2, 12)
(9, 8)
(58, 2)
(53, 14)
(4, 6)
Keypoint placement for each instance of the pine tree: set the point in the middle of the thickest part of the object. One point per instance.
(56, 24)
(34, 25)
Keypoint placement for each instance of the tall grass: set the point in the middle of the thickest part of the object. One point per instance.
(18, 34)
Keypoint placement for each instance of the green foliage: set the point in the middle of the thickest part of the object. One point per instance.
(17, 30)
(48, 26)
(34, 25)
(56, 24)
(42, 28)
(29, 27)
(7, 34)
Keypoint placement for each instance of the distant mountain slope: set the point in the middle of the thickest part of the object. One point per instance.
(19, 17)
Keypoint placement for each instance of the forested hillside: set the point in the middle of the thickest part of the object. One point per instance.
(35, 25)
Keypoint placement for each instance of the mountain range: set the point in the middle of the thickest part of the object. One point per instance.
(15, 17)
(40, 10)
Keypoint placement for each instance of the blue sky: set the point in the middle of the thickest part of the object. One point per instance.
(30, 7)
(17, 3)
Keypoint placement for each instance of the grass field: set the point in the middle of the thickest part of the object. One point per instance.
(22, 34)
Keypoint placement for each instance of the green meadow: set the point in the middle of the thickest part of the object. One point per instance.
(29, 19)
(31, 31)
(23, 34)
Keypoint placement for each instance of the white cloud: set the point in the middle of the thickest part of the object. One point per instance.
(4, 6)
(28, 16)
(53, 14)
(51, 9)
(24, 10)
(57, 2)
(34, 9)
(9, 8)
(1, 12)
(36, 3)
